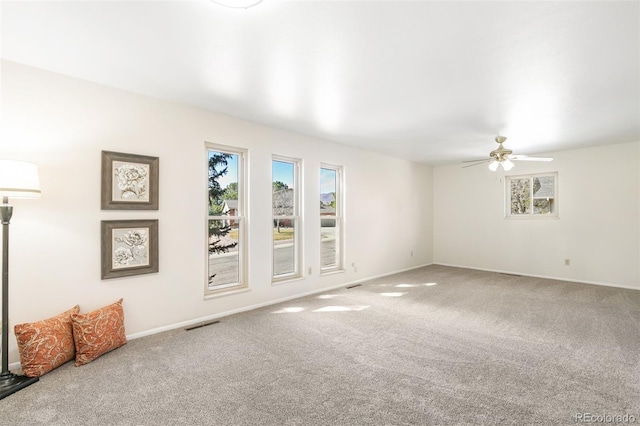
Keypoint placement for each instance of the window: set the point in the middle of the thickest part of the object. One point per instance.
(285, 199)
(331, 219)
(532, 195)
(226, 222)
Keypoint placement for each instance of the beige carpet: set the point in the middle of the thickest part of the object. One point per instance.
(433, 346)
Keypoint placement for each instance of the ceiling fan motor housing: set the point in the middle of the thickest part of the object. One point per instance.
(500, 154)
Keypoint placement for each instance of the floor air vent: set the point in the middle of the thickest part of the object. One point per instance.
(204, 324)
(353, 286)
(510, 275)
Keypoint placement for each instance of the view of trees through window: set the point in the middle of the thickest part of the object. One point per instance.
(330, 219)
(224, 221)
(532, 195)
(284, 204)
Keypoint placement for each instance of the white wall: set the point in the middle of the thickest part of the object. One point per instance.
(62, 124)
(598, 226)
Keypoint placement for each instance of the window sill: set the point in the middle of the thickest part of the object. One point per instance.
(214, 294)
(332, 272)
(533, 216)
(287, 280)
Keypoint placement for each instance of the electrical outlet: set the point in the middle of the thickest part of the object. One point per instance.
(567, 262)
(411, 253)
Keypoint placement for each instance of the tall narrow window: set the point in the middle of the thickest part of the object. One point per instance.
(226, 224)
(532, 195)
(285, 199)
(331, 218)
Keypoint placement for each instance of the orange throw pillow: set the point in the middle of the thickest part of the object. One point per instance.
(46, 344)
(98, 332)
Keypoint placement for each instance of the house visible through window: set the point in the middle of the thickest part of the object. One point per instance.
(532, 195)
(285, 200)
(331, 225)
(226, 255)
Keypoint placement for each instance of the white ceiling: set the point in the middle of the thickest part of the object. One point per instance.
(423, 80)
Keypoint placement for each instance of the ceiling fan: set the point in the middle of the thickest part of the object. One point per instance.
(502, 156)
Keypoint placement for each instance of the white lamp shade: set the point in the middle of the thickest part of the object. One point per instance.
(493, 165)
(19, 179)
(507, 165)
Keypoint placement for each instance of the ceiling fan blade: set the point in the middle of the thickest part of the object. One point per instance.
(517, 157)
(477, 163)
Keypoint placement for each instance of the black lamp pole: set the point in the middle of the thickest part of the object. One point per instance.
(9, 382)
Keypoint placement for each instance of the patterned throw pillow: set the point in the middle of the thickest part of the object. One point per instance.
(98, 332)
(46, 344)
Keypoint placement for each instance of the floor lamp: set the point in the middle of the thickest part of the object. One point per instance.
(18, 179)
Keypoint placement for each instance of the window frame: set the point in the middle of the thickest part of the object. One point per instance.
(240, 217)
(339, 218)
(554, 214)
(296, 217)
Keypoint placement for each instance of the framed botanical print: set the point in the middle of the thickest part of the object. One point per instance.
(129, 247)
(129, 181)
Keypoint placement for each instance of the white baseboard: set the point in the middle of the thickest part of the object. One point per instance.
(538, 276)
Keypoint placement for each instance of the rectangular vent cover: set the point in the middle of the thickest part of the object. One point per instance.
(204, 324)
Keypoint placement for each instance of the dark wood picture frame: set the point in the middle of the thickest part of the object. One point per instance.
(129, 181)
(129, 247)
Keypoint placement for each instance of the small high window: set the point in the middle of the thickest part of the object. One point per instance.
(532, 195)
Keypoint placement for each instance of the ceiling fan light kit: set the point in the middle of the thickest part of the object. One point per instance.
(506, 165)
(502, 156)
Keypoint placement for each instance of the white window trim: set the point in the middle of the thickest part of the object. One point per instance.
(339, 217)
(507, 207)
(242, 218)
(297, 274)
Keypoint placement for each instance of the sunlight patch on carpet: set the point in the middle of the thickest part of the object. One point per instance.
(342, 308)
(291, 310)
(328, 296)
